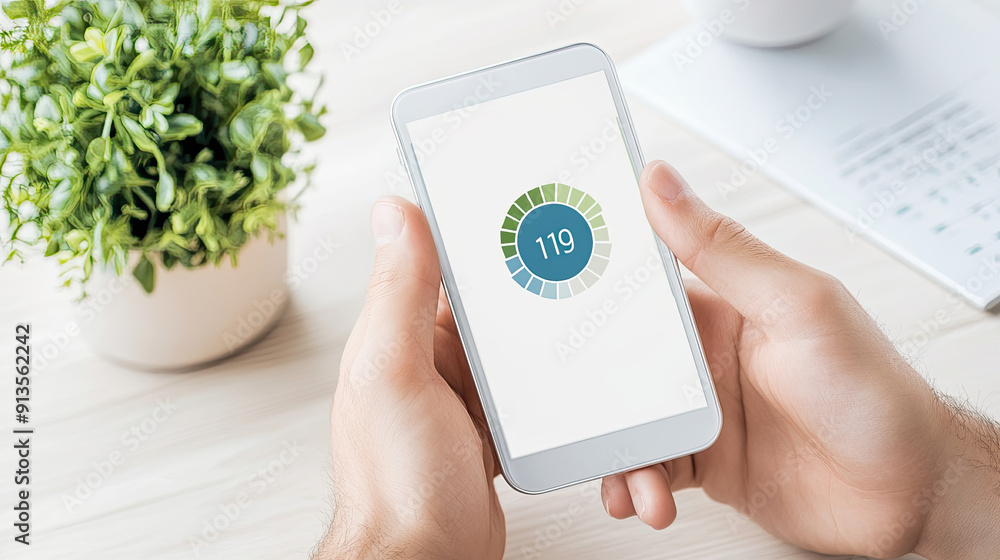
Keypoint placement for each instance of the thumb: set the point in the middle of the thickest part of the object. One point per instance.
(745, 271)
(401, 306)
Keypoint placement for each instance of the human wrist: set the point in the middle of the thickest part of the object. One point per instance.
(342, 543)
(354, 535)
(963, 519)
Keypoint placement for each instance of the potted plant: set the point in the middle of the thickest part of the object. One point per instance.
(148, 145)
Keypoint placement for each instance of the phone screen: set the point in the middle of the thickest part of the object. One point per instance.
(564, 291)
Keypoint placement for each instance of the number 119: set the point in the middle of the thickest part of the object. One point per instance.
(564, 240)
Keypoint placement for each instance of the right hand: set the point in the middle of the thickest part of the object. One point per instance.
(830, 439)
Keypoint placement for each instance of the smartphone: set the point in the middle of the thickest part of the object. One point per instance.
(572, 313)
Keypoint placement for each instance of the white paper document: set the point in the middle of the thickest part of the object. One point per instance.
(891, 124)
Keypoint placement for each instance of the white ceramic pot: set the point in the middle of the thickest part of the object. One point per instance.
(193, 317)
(772, 23)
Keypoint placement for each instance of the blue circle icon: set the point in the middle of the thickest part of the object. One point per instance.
(555, 242)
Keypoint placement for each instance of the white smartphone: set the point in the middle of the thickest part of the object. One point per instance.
(572, 313)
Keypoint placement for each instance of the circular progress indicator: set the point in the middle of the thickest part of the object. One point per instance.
(555, 241)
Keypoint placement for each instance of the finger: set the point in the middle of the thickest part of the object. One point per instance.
(745, 271)
(445, 319)
(451, 363)
(399, 313)
(616, 498)
(449, 356)
(651, 496)
(680, 473)
(450, 360)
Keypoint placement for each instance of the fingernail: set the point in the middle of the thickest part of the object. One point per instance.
(607, 506)
(640, 507)
(387, 222)
(664, 182)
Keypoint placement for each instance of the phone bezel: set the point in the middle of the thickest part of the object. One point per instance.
(600, 456)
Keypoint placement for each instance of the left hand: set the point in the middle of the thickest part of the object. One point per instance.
(412, 458)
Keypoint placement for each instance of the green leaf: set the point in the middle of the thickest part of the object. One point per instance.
(164, 191)
(204, 156)
(139, 136)
(241, 132)
(17, 9)
(97, 151)
(160, 123)
(80, 98)
(185, 28)
(305, 56)
(169, 95)
(109, 184)
(52, 248)
(118, 132)
(60, 196)
(133, 15)
(102, 73)
(260, 168)
(46, 108)
(275, 73)
(235, 71)
(181, 126)
(95, 38)
(75, 239)
(98, 248)
(308, 123)
(205, 8)
(112, 98)
(140, 63)
(146, 118)
(145, 273)
(111, 42)
(211, 243)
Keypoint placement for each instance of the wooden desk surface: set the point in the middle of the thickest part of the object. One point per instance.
(215, 433)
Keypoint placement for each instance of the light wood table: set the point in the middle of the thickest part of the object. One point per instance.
(219, 430)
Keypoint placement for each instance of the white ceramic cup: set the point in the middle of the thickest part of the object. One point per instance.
(771, 23)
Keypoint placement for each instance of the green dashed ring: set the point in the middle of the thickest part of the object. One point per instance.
(574, 223)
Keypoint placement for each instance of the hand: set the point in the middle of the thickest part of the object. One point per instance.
(830, 440)
(412, 459)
